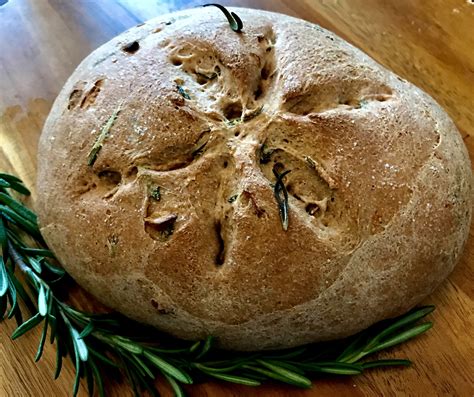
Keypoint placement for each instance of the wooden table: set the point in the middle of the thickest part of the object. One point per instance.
(430, 43)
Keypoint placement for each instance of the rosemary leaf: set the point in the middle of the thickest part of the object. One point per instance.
(177, 389)
(10, 178)
(35, 264)
(23, 223)
(403, 337)
(409, 318)
(289, 354)
(142, 366)
(3, 238)
(97, 378)
(195, 346)
(59, 359)
(90, 380)
(54, 269)
(182, 92)
(79, 344)
(235, 379)
(87, 330)
(19, 187)
(205, 347)
(12, 297)
(276, 376)
(127, 344)
(27, 325)
(37, 251)
(295, 378)
(205, 368)
(42, 340)
(385, 363)
(4, 280)
(19, 290)
(77, 377)
(103, 358)
(280, 189)
(333, 368)
(168, 368)
(103, 134)
(19, 208)
(234, 20)
(3, 307)
(42, 301)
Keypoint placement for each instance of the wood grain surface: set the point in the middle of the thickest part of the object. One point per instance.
(430, 43)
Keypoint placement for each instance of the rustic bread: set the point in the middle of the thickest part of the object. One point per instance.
(156, 184)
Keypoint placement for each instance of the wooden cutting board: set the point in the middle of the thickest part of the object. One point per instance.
(430, 43)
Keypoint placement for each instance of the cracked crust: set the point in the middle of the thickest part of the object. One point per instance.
(175, 224)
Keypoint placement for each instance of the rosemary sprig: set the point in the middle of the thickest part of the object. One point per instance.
(281, 195)
(98, 342)
(235, 22)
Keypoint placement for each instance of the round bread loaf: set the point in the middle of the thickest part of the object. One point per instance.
(160, 184)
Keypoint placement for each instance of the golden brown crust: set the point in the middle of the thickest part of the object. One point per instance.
(175, 222)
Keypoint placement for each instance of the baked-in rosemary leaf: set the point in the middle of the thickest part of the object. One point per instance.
(279, 190)
(182, 92)
(234, 20)
(103, 134)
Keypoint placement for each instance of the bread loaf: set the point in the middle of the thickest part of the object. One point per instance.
(160, 184)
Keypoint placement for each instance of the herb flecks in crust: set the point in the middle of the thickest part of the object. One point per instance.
(182, 92)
